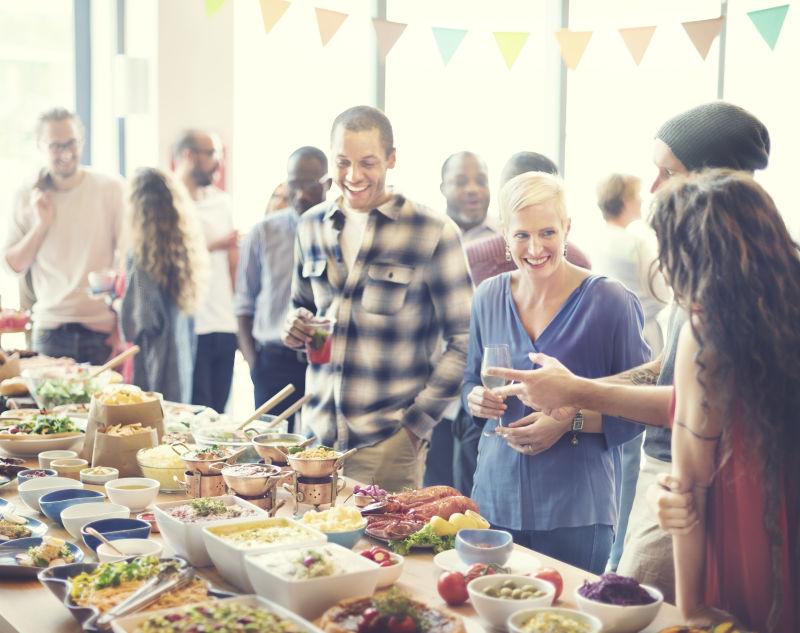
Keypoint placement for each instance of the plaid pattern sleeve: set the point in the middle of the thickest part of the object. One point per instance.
(408, 290)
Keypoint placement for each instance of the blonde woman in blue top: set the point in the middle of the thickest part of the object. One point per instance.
(556, 489)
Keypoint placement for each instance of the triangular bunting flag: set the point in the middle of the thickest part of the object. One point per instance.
(271, 12)
(637, 40)
(212, 6)
(387, 33)
(510, 44)
(769, 23)
(328, 23)
(702, 33)
(448, 41)
(573, 44)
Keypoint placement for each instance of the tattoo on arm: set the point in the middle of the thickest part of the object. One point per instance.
(699, 436)
(644, 376)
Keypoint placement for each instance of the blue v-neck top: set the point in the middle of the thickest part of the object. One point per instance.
(597, 332)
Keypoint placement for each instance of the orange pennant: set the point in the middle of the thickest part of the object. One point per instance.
(329, 22)
(387, 33)
(637, 40)
(573, 44)
(702, 33)
(272, 11)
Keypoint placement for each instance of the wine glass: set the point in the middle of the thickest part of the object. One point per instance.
(494, 356)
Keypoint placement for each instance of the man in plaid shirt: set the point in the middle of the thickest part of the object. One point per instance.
(393, 275)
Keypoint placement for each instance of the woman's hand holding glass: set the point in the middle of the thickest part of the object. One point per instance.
(484, 404)
(534, 433)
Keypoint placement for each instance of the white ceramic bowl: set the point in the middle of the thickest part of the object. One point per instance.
(496, 611)
(136, 499)
(131, 623)
(228, 557)
(516, 621)
(98, 480)
(186, 539)
(390, 574)
(48, 456)
(309, 598)
(622, 619)
(75, 517)
(520, 563)
(32, 490)
(29, 448)
(129, 547)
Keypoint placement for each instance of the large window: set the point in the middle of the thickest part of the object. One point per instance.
(36, 73)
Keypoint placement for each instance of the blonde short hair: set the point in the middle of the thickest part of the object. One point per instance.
(534, 187)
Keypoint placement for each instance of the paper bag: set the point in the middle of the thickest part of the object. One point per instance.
(147, 413)
(120, 451)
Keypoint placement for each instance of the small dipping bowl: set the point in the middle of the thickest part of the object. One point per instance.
(70, 467)
(115, 529)
(76, 516)
(484, 546)
(34, 473)
(149, 517)
(46, 457)
(55, 502)
(134, 492)
(130, 547)
(251, 480)
(98, 479)
(272, 447)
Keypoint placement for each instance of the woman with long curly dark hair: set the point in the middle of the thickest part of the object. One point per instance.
(166, 267)
(733, 266)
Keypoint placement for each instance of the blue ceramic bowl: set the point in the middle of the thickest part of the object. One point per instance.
(484, 546)
(55, 502)
(346, 539)
(114, 529)
(25, 475)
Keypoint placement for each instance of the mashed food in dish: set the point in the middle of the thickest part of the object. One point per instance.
(548, 622)
(267, 532)
(335, 519)
(220, 618)
(305, 563)
(209, 509)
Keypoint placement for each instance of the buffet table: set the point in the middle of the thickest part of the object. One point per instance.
(28, 607)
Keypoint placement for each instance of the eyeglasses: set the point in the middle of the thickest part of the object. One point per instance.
(57, 148)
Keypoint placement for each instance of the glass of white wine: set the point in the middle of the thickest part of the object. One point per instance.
(495, 356)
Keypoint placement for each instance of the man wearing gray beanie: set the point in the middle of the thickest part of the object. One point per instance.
(715, 134)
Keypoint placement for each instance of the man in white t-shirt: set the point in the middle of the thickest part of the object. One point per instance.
(197, 155)
(62, 226)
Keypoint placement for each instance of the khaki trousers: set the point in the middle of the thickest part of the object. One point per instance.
(647, 555)
(393, 464)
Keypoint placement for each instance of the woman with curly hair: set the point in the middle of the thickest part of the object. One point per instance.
(165, 267)
(733, 266)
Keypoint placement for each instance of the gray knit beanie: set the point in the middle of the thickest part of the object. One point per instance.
(717, 134)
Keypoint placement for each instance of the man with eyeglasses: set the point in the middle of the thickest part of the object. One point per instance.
(63, 226)
(263, 289)
(197, 155)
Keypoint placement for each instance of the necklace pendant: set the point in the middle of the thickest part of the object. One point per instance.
(574, 440)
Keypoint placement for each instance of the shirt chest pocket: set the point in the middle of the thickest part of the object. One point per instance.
(386, 288)
(314, 271)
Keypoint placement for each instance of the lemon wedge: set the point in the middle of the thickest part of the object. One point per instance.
(442, 527)
(482, 524)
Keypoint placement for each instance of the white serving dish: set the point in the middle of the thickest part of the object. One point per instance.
(228, 557)
(136, 500)
(98, 480)
(520, 563)
(29, 448)
(518, 619)
(311, 597)
(186, 539)
(390, 574)
(75, 517)
(48, 456)
(129, 547)
(622, 619)
(130, 623)
(32, 490)
(496, 611)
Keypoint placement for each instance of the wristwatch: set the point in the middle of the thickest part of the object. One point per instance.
(577, 426)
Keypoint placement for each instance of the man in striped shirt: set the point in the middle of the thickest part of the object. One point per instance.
(393, 275)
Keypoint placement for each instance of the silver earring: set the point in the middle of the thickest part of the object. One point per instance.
(508, 253)
(565, 249)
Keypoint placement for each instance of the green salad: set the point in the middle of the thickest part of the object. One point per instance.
(114, 574)
(220, 618)
(45, 425)
(54, 392)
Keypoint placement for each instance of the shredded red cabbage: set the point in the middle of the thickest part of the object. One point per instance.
(615, 589)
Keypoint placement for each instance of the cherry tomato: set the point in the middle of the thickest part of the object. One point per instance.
(553, 577)
(367, 554)
(404, 624)
(452, 587)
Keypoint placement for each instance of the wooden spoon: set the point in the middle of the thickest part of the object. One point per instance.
(290, 411)
(279, 397)
(92, 532)
(117, 360)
